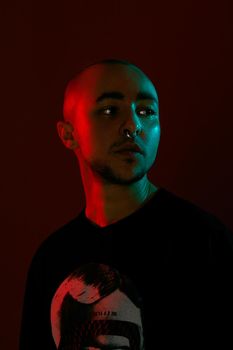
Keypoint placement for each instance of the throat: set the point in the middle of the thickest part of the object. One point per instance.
(117, 204)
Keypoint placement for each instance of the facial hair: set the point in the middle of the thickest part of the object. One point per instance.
(107, 173)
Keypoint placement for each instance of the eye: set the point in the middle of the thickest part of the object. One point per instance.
(146, 111)
(109, 110)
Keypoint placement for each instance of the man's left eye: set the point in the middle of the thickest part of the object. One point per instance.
(146, 111)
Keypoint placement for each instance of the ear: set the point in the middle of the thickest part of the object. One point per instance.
(65, 131)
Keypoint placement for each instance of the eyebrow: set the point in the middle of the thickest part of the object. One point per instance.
(142, 95)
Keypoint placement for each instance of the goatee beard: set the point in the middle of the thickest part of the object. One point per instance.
(106, 173)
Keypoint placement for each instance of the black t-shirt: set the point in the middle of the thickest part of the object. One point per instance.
(179, 257)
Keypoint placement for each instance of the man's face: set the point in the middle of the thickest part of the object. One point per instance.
(110, 99)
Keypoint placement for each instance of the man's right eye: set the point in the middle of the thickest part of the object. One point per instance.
(110, 110)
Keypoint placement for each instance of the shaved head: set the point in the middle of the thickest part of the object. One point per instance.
(102, 101)
(89, 74)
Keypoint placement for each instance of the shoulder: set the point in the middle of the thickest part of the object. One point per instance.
(197, 225)
(184, 210)
(58, 242)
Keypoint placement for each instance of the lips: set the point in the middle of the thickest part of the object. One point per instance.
(129, 148)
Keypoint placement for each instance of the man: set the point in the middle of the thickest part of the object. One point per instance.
(96, 307)
(179, 257)
(112, 124)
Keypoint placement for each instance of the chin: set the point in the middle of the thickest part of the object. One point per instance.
(124, 181)
(121, 176)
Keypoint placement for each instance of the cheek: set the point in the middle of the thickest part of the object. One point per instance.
(92, 140)
(153, 140)
(86, 135)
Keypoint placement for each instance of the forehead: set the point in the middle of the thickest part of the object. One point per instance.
(100, 78)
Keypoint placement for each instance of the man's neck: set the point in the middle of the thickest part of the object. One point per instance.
(107, 203)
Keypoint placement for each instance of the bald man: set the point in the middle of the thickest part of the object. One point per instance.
(112, 124)
(177, 255)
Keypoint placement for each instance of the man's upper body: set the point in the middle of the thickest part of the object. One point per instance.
(177, 255)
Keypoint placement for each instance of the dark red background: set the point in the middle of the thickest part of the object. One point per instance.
(186, 47)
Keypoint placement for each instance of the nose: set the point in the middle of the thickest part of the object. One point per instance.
(132, 125)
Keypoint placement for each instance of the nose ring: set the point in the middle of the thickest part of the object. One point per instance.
(128, 134)
(131, 135)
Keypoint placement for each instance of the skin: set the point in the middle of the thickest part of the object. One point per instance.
(115, 180)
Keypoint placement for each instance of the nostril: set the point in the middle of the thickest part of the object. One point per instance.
(128, 134)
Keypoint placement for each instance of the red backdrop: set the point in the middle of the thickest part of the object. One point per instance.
(186, 47)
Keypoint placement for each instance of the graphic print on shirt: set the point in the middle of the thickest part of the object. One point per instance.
(96, 307)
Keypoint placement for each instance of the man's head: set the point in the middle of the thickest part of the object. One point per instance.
(96, 307)
(112, 121)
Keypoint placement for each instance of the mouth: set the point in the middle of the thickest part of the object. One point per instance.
(129, 149)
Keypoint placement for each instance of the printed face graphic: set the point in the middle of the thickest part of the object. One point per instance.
(109, 342)
(106, 100)
(110, 313)
(88, 315)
